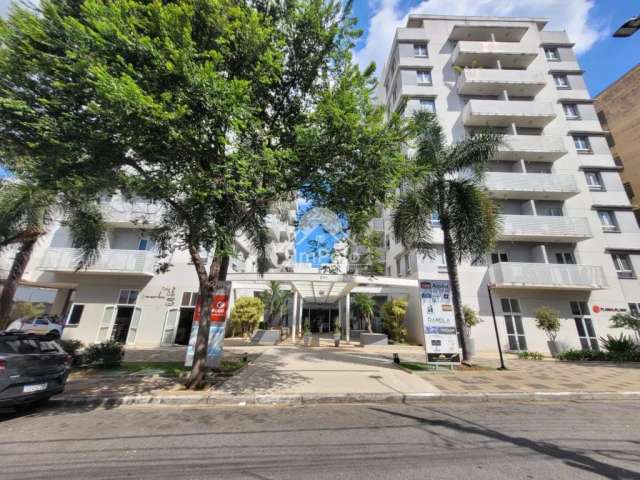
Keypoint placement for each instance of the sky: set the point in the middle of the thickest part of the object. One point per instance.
(589, 24)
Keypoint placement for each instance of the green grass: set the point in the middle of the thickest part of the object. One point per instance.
(417, 366)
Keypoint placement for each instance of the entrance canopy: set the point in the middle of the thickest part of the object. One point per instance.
(325, 288)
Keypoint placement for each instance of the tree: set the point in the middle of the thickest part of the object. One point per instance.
(447, 180)
(393, 313)
(470, 319)
(366, 306)
(212, 108)
(26, 212)
(275, 300)
(627, 320)
(548, 321)
(246, 314)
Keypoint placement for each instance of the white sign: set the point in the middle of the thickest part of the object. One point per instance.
(438, 322)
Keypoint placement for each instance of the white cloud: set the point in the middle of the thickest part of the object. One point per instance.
(569, 15)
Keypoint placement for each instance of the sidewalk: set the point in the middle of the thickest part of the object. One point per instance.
(290, 374)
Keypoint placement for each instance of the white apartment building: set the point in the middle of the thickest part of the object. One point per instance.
(569, 238)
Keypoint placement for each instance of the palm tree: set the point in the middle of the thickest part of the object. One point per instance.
(447, 180)
(366, 306)
(275, 299)
(26, 211)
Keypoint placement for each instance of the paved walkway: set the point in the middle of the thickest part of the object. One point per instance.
(292, 373)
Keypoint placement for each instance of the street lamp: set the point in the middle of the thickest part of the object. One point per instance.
(495, 326)
(628, 28)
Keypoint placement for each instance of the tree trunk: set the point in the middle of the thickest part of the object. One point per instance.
(452, 270)
(368, 320)
(11, 283)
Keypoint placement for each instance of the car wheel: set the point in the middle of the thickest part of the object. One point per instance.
(54, 334)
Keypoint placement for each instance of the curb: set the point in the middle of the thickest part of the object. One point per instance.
(323, 399)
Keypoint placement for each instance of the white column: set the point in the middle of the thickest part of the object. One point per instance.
(301, 307)
(347, 310)
(341, 317)
(294, 314)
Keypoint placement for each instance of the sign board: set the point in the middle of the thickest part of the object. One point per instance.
(219, 308)
(438, 322)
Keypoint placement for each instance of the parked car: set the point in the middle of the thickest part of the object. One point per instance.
(45, 324)
(32, 368)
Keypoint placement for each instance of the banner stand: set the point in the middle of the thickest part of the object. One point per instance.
(439, 324)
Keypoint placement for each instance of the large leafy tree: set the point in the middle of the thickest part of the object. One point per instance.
(212, 108)
(26, 212)
(447, 179)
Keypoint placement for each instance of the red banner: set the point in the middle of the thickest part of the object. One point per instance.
(218, 308)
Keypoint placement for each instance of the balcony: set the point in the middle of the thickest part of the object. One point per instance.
(529, 186)
(135, 213)
(500, 113)
(531, 148)
(494, 82)
(547, 276)
(538, 228)
(486, 54)
(119, 262)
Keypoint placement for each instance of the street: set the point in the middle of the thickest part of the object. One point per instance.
(535, 440)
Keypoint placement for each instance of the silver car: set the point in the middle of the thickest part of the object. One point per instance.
(32, 368)
(44, 325)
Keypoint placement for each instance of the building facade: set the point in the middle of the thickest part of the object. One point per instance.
(618, 108)
(569, 238)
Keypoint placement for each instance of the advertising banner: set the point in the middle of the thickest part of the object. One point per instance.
(438, 322)
(216, 327)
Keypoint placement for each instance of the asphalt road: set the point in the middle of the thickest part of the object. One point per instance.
(441, 441)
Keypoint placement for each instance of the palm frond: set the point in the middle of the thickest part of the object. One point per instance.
(473, 154)
(430, 139)
(473, 219)
(25, 212)
(87, 227)
(411, 219)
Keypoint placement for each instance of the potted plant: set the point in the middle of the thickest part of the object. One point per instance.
(470, 320)
(336, 335)
(307, 333)
(393, 313)
(547, 320)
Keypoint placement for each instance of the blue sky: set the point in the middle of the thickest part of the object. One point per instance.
(589, 24)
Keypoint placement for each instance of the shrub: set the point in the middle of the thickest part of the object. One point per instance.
(393, 313)
(576, 355)
(626, 320)
(547, 320)
(621, 349)
(105, 354)
(306, 328)
(71, 346)
(470, 318)
(530, 355)
(247, 313)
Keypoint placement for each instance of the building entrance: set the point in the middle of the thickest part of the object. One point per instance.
(183, 331)
(321, 319)
(121, 324)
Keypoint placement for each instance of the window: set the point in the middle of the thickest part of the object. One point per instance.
(143, 244)
(407, 263)
(584, 325)
(551, 53)
(571, 111)
(189, 299)
(428, 104)
(566, 258)
(435, 219)
(75, 314)
(561, 81)
(419, 49)
(398, 267)
(513, 322)
(622, 262)
(128, 297)
(500, 257)
(424, 77)
(582, 143)
(551, 211)
(608, 220)
(634, 309)
(394, 95)
(594, 181)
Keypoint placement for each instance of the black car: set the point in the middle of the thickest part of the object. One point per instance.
(32, 368)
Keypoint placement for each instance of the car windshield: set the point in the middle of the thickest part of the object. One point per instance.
(49, 346)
